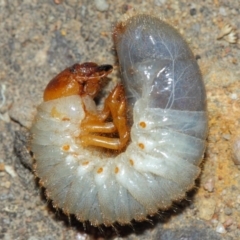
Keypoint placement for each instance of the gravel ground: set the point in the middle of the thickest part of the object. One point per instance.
(38, 40)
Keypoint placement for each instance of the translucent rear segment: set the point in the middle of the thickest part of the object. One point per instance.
(157, 64)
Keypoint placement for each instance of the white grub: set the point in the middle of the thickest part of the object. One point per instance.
(228, 33)
(101, 5)
(160, 163)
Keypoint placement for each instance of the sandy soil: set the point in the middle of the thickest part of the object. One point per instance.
(38, 39)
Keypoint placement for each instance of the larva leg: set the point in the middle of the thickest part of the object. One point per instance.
(96, 123)
(115, 105)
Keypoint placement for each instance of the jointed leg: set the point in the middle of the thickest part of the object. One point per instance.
(115, 106)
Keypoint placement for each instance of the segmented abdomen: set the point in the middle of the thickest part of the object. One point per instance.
(158, 166)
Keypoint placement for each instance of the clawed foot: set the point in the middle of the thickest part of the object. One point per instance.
(94, 125)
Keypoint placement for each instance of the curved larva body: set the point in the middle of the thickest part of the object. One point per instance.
(168, 131)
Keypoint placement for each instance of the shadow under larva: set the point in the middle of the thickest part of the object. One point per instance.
(141, 150)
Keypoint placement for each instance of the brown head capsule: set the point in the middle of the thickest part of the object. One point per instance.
(78, 79)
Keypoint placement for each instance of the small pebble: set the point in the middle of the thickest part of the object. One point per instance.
(28, 213)
(6, 184)
(228, 222)
(193, 11)
(228, 211)
(33, 238)
(197, 57)
(209, 185)
(226, 136)
(233, 96)
(101, 5)
(7, 236)
(220, 228)
(159, 2)
(224, 192)
(81, 236)
(57, 1)
(206, 208)
(10, 170)
(222, 11)
(5, 117)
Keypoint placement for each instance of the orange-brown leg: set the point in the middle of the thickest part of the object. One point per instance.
(115, 105)
(96, 123)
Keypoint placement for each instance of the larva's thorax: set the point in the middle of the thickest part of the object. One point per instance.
(158, 66)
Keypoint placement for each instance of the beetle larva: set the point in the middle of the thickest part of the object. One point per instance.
(156, 132)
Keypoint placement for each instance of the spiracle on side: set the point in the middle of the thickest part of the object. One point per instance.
(138, 152)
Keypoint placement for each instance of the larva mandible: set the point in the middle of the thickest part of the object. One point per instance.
(160, 146)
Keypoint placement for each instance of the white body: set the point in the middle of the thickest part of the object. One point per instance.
(159, 165)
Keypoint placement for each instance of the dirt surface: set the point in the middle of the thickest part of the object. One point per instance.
(38, 39)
